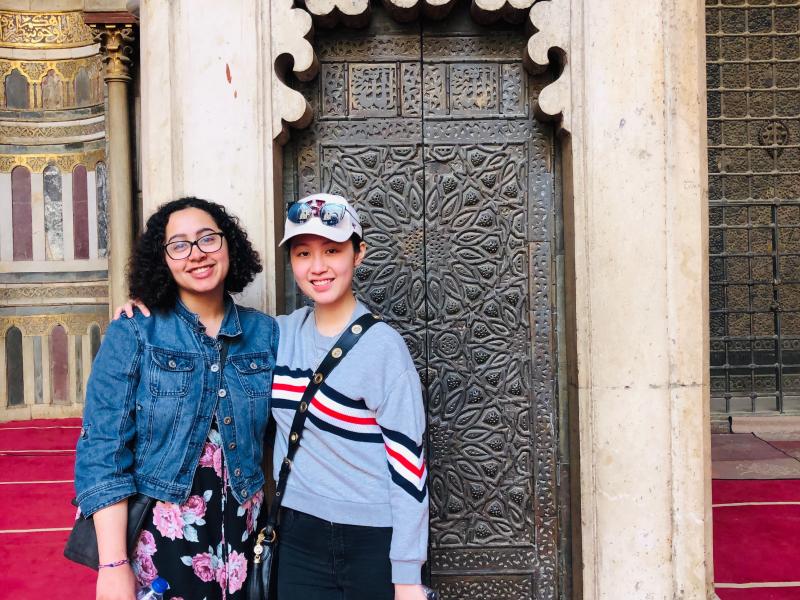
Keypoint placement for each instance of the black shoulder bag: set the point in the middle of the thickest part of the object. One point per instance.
(82, 542)
(261, 578)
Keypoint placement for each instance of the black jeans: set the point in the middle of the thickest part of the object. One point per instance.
(320, 560)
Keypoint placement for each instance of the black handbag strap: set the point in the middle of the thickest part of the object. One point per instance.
(340, 349)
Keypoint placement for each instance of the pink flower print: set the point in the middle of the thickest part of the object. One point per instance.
(146, 571)
(212, 458)
(146, 546)
(167, 519)
(194, 509)
(202, 566)
(237, 571)
(251, 507)
(222, 577)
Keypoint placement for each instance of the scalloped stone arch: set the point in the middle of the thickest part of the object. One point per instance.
(292, 46)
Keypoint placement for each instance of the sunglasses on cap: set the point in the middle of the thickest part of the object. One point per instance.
(330, 213)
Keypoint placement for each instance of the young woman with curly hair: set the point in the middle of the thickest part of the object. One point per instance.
(176, 409)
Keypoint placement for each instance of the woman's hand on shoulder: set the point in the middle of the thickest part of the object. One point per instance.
(116, 583)
(407, 591)
(128, 307)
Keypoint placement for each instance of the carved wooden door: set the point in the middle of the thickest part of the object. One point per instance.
(429, 129)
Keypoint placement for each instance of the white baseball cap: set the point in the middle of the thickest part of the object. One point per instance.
(326, 215)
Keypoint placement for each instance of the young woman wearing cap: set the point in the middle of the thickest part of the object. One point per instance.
(354, 518)
(354, 522)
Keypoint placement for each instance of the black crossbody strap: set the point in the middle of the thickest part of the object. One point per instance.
(340, 349)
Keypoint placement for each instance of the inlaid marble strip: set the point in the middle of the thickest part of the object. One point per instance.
(91, 210)
(101, 188)
(6, 233)
(80, 213)
(58, 355)
(72, 380)
(53, 182)
(27, 374)
(37, 216)
(86, 363)
(36, 372)
(68, 217)
(21, 215)
(76, 369)
(41, 366)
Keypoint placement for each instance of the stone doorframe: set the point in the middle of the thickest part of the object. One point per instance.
(630, 102)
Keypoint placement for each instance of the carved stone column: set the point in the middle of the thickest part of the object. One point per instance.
(116, 44)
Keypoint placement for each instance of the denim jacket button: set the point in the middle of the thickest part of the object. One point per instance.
(222, 393)
(227, 420)
(214, 368)
(232, 445)
(237, 472)
(244, 493)
(172, 364)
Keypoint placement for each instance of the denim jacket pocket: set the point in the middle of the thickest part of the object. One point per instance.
(255, 373)
(169, 373)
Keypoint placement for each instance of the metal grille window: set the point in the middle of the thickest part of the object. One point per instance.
(753, 62)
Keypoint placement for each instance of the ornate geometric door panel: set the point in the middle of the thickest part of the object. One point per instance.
(430, 131)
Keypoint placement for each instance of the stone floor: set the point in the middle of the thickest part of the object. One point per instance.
(751, 456)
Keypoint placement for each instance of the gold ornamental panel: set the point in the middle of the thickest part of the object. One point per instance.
(43, 30)
(73, 323)
(37, 132)
(37, 163)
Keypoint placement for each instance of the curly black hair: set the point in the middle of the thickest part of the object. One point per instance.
(149, 277)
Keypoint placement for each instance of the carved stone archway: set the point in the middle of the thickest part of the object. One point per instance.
(292, 45)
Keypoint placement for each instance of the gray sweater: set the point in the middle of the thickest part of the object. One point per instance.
(360, 460)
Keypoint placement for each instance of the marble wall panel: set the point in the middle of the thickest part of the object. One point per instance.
(21, 218)
(59, 366)
(80, 213)
(53, 214)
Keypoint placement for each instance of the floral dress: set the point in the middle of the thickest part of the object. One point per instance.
(200, 546)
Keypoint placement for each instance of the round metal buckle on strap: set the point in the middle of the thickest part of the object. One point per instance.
(318, 378)
(336, 353)
(356, 329)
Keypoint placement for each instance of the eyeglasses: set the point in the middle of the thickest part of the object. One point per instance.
(210, 242)
(330, 213)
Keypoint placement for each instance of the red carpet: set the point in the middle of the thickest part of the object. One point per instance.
(40, 451)
(792, 593)
(728, 491)
(756, 543)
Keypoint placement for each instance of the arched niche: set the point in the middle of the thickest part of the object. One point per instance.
(15, 380)
(429, 129)
(52, 91)
(83, 88)
(17, 90)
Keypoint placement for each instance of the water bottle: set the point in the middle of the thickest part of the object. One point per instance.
(154, 591)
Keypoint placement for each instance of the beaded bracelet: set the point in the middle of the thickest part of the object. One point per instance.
(118, 563)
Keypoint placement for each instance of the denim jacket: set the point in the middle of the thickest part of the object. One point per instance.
(155, 388)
